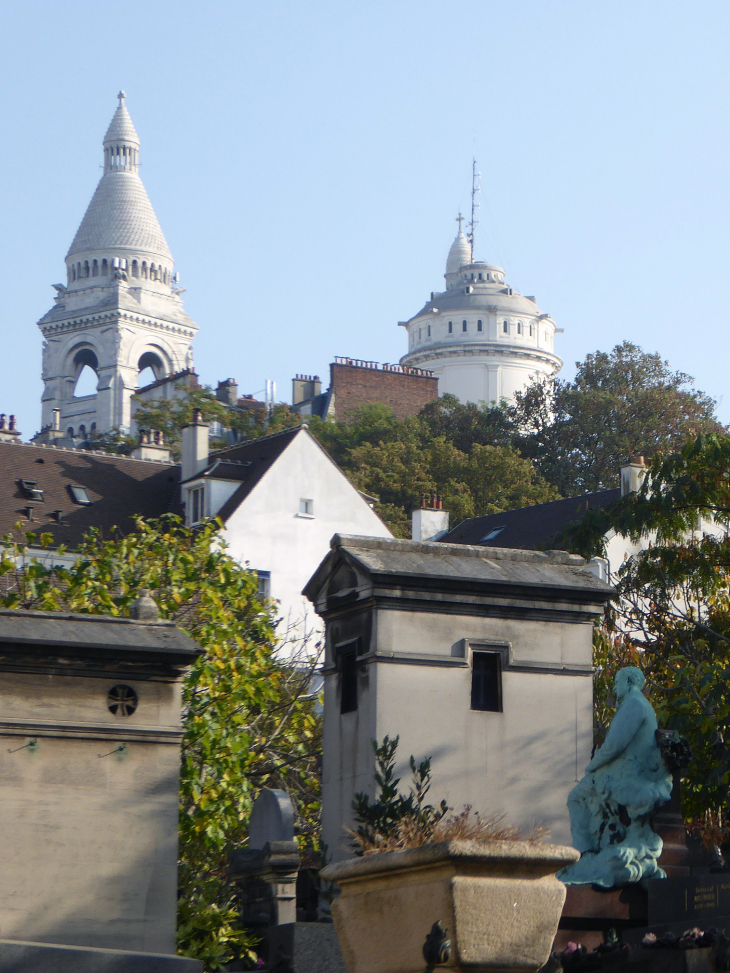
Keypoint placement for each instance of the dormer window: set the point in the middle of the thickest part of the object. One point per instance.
(79, 495)
(306, 507)
(31, 490)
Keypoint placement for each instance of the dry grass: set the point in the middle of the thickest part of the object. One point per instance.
(465, 826)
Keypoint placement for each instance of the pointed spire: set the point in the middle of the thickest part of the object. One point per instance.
(121, 142)
(120, 214)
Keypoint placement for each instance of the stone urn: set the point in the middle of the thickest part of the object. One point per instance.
(460, 905)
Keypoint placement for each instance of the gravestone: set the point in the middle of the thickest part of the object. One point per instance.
(266, 876)
(272, 818)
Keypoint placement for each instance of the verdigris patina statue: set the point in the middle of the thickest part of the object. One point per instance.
(611, 807)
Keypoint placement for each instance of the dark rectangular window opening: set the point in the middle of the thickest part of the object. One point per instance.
(486, 682)
(348, 679)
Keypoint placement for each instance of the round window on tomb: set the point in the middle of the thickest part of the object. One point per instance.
(122, 700)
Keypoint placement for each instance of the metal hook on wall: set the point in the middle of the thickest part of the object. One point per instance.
(32, 744)
(122, 748)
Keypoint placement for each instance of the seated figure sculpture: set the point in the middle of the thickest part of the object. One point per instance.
(611, 807)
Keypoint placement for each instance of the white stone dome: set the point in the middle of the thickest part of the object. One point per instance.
(459, 254)
(483, 340)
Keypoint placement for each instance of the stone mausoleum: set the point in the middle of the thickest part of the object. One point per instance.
(478, 658)
(90, 733)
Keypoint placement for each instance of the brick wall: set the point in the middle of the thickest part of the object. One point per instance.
(355, 385)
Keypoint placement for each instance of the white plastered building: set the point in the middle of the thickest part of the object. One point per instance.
(120, 311)
(281, 498)
(482, 339)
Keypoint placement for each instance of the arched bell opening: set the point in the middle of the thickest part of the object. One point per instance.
(150, 369)
(86, 377)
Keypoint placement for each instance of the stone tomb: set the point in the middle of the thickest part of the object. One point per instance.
(480, 658)
(90, 731)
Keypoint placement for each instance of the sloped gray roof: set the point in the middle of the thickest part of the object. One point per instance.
(529, 528)
(451, 577)
(461, 562)
(77, 634)
(120, 215)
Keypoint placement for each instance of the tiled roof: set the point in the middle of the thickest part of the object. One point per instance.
(118, 487)
(528, 528)
(120, 214)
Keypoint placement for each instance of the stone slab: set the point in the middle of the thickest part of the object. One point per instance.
(692, 900)
(23, 957)
(317, 949)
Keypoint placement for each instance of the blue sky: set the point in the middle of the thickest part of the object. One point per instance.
(307, 161)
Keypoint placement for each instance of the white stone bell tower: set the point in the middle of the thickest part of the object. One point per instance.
(119, 311)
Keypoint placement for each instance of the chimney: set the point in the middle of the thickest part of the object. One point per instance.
(227, 391)
(151, 446)
(194, 446)
(56, 424)
(305, 387)
(8, 432)
(632, 475)
(430, 522)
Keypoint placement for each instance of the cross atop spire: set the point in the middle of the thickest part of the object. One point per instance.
(121, 96)
(459, 220)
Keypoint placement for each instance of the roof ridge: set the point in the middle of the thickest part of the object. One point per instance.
(259, 439)
(91, 452)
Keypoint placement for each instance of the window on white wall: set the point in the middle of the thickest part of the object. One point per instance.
(197, 506)
(264, 588)
(306, 507)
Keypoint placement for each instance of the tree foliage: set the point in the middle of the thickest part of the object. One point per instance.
(621, 403)
(460, 452)
(673, 609)
(379, 820)
(249, 718)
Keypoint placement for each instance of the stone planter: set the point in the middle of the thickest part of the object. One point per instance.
(498, 905)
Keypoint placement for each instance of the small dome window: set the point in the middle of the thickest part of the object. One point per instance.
(451, 327)
(530, 330)
(479, 325)
(519, 327)
(428, 333)
(505, 327)
(463, 325)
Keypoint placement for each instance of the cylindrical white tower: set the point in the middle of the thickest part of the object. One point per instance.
(482, 339)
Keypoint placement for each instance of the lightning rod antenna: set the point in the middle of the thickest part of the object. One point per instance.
(474, 222)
